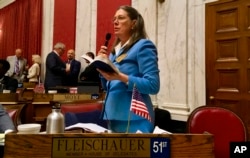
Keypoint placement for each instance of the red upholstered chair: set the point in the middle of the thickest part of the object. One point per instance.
(225, 125)
(83, 112)
(81, 107)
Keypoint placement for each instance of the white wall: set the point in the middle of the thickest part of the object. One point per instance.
(178, 29)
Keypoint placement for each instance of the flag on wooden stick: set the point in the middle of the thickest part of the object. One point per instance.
(138, 106)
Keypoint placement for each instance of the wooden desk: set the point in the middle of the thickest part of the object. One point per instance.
(106, 145)
(8, 98)
(37, 105)
(41, 103)
(41, 106)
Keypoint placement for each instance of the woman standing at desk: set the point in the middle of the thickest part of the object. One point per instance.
(136, 58)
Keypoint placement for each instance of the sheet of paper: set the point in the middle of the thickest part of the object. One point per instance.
(158, 130)
(88, 126)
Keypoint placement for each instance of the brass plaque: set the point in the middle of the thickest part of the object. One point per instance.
(71, 97)
(121, 57)
(110, 147)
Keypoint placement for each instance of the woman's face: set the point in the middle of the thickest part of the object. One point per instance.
(123, 25)
(33, 59)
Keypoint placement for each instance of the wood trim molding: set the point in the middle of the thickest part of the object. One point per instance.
(4, 3)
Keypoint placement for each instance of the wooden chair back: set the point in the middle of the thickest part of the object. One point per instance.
(14, 111)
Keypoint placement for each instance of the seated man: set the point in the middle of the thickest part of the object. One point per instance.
(6, 124)
(6, 82)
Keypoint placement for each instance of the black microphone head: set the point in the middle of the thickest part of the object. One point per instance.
(108, 36)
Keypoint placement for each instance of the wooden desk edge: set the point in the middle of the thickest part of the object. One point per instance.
(9, 102)
(40, 102)
(182, 145)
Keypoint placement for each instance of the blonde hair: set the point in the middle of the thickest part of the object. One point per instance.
(36, 58)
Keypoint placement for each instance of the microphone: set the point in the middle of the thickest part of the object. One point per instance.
(108, 36)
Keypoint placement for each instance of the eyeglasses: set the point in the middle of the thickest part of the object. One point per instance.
(118, 19)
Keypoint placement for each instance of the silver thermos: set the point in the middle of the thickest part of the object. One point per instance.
(55, 120)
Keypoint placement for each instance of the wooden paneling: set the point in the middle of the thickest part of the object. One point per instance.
(228, 56)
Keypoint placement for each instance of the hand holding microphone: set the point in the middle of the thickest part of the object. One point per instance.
(108, 36)
(103, 49)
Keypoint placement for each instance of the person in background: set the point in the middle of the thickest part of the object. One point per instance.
(71, 78)
(56, 68)
(136, 58)
(90, 73)
(91, 55)
(6, 82)
(18, 66)
(34, 70)
(6, 123)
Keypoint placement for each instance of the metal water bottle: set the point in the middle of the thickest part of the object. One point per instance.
(55, 120)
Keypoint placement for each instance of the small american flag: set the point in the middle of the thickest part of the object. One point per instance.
(138, 106)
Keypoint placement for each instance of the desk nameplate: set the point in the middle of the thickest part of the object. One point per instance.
(42, 97)
(40, 145)
(71, 97)
(110, 147)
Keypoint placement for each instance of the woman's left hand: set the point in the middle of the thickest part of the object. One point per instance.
(114, 76)
(109, 75)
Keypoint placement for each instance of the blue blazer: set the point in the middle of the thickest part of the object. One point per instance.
(55, 71)
(141, 66)
(72, 78)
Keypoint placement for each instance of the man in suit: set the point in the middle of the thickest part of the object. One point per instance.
(56, 68)
(71, 78)
(6, 82)
(18, 66)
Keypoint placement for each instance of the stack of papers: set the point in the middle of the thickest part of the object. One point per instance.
(88, 127)
(158, 130)
(92, 127)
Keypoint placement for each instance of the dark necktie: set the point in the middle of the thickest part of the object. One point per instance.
(17, 71)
